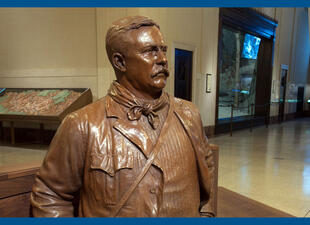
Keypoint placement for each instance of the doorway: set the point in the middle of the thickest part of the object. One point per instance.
(300, 100)
(183, 68)
(282, 94)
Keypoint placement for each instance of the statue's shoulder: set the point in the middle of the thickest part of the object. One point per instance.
(95, 107)
(185, 107)
(91, 111)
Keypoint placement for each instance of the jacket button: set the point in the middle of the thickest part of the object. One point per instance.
(153, 190)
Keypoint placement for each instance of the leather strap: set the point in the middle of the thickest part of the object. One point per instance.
(133, 186)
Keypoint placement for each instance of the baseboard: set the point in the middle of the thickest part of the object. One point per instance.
(27, 135)
(209, 130)
(306, 113)
(287, 117)
(273, 119)
(238, 125)
(290, 116)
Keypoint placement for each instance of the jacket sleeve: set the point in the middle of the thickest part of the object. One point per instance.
(189, 115)
(60, 175)
(207, 209)
(205, 164)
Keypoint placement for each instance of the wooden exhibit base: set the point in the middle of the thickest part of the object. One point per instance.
(232, 204)
(15, 188)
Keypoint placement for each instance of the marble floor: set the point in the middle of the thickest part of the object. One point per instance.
(270, 165)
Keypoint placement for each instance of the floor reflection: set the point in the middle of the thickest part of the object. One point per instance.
(270, 165)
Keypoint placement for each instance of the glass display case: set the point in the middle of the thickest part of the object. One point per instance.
(238, 66)
(40, 105)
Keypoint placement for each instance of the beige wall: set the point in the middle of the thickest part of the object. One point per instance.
(292, 48)
(301, 48)
(282, 49)
(65, 47)
(207, 101)
(48, 47)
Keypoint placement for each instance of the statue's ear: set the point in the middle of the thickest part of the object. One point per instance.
(118, 61)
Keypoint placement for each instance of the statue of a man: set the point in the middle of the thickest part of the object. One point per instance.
(137, 152)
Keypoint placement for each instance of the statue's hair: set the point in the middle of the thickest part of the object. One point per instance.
(121, 26)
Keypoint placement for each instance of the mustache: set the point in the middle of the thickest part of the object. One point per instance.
(162, 71)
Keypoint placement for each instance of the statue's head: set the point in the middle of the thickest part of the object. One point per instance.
(137, 52)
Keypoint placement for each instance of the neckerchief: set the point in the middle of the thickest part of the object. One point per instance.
(136, 106)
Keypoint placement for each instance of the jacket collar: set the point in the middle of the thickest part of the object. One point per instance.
(113, 109)
(135, 133)
(185, 115)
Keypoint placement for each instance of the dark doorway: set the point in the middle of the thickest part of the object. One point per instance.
(263, 82)
(300, 100)
(282, 94)
(183, 74)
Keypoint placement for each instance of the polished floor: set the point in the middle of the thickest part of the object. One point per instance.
(270, 165)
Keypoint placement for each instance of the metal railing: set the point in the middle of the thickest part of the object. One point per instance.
(251, 114)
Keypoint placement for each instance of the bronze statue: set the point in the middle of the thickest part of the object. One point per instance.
(137, 152)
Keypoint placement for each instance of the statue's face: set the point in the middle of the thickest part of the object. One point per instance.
(146, 62)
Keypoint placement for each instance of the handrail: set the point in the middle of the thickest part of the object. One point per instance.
(250, 108)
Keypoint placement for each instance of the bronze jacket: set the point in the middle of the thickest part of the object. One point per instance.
(91, 155)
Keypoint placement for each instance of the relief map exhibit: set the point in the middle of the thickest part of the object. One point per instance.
(37, 102)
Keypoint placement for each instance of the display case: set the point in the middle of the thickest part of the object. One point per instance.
(40, 105)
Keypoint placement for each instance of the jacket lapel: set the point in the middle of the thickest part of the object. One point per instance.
(182, 114)
(192, 129)
(134, 133)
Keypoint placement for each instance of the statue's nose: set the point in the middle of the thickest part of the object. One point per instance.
(162, 58)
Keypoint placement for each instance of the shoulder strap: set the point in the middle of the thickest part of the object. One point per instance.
(138, 180)
(144, 170)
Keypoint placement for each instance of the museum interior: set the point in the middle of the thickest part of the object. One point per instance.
(246, 69)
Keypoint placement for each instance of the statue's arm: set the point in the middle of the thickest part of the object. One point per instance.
(206, 173)
(207, 209)
(60, 175)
